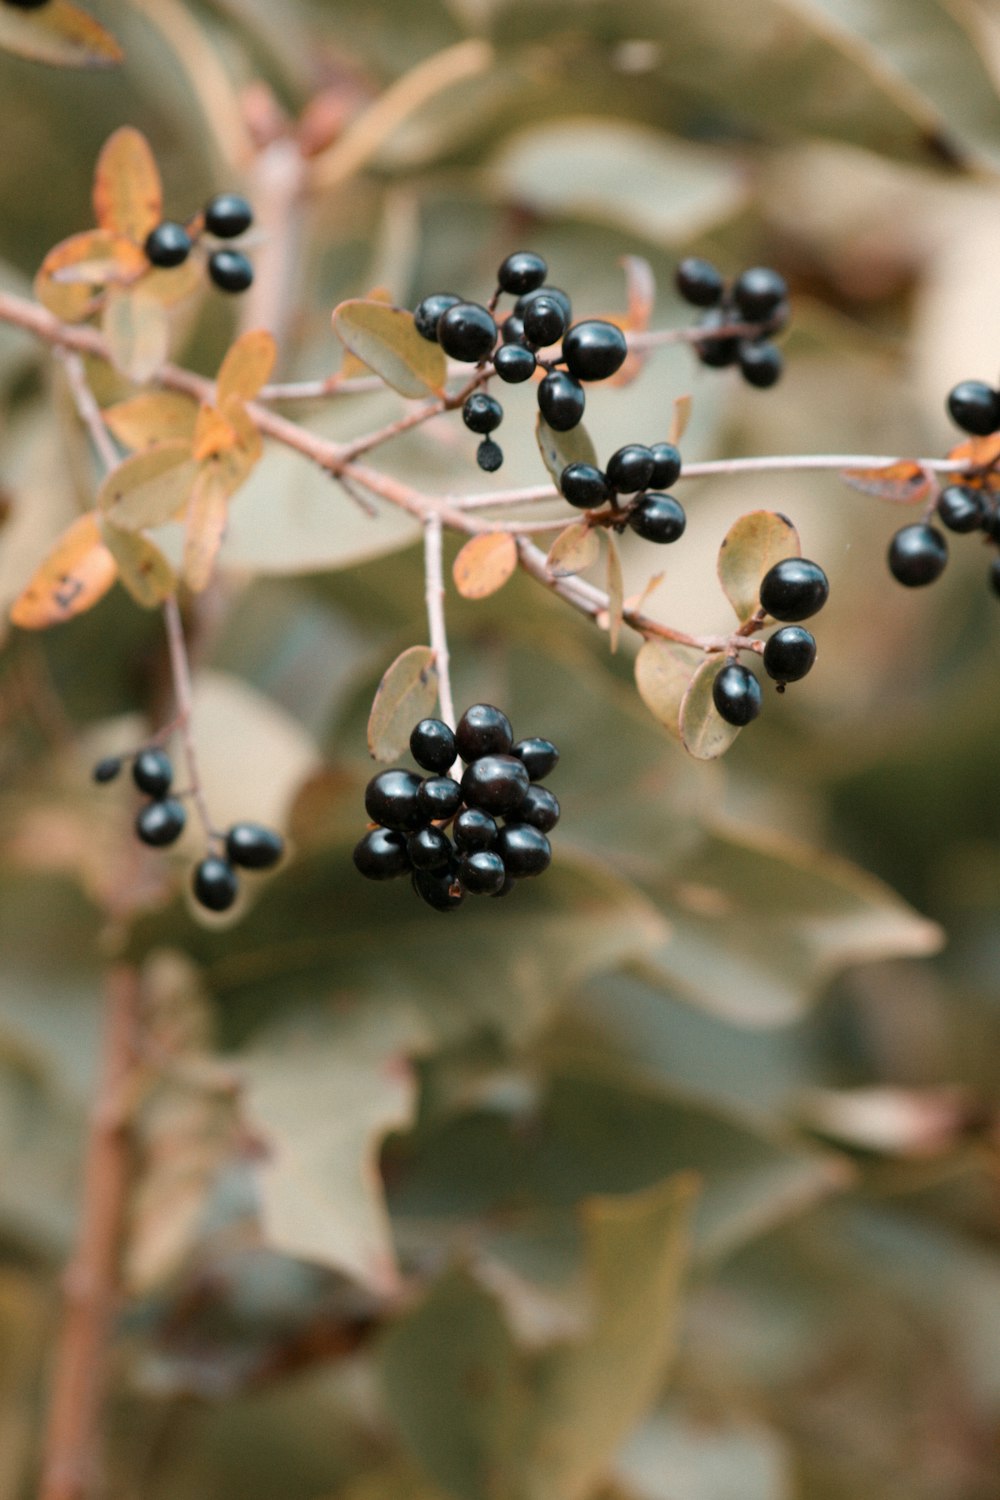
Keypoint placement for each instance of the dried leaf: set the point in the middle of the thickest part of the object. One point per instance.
(680, 419)
(616, 592)
(704, 733)
(137, 329)
(61, 35)
(238, 461)
(247, 366)
(77, 572)
(640, 287)
(573, 551)
(128, 195)
(351, 367)
(751, 546)
(663, 672)
(385, 339)
(152, 417)
(904, 483)
(978, 451)
(206, 525)
(561, 448)
(484, 564)
(149, 488)
(408, 692)
(142, 567)
(212, 433)
(72, 300)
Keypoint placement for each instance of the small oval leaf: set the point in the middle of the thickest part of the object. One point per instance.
(212, 433)
(128, 195)
(385, 339)
(95, 249)
(61, 34)
(573, 551)
(663, 672)
(484, 564)
(149, 488)
(751, 546)
(704, 733)
(683, 406)
(137, 329)
(247, 366)
(407, 693)
(207, 513)
(561, 448)
(142, 567)
(616, 592)
(77, 572)
(152, 417)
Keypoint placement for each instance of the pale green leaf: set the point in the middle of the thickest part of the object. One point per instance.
(751, 546)
(704, 733)
(407, 693)
(387, 341)
(149, 488)
(663, 671)
(558, 449)
(137, 328)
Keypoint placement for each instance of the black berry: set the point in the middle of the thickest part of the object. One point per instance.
(594, 350)
(215, 884)
(169, 244)
(521, 272)
(540, 808)
(761, 363)
(789, 654)
(107, 769)
(430, 849)
(161, 823)
(975, 407)
(991, 520)
(474, 830)
(392, 799)
(489, 456)
(658, 518)
(561, 401)
(524, 850)
(994, 575)
(666, 466)
(427, 314)
(514, 364)
(439, 888)
(717, 353)
(482, 413)
(483, 730)
(496, 784)
(917, 555)
(381, 854)
(699, 282)
(556, 293)
(467, 332)
(961, 508)
(512, 332)
(758, 292)
(584, 486)
(631, 468)
(539, 757)
(230, 270)
(432, 745)
(736, 694)
(544, 321)
(253, 846)
(482, 873)
(794, 589)
(26, 4)
(153, 772)
(227, 215)
(439, 797)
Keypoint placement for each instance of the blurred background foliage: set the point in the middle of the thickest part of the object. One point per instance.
(676, 1177)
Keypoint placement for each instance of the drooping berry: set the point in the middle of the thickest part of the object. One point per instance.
(430, 849)
(107, 768)
(917, 555)
(789, 654)
(540, 808)
(381, 854)
(658, 518)
(521, 272)
(699, 282)
(153, 772)
(717, 352)
(630, 468)
(514, 364)
(253, 846)
(524, 850)
(961, 508)
(561, 401)
(974, 407)
(496, 784)
(758, 292)
(489, 456)
(555, 292)
(539, 757)
(736, 694)
(161, 823)
(439, 888)
(594, 350)
(482, 873)
(428, 313)
(169, 244)
(439, 797)
(584, 485)
(392, 799)
(474, 830)
(544, 321)
(761, 363)
(230, 270)
(666, 466)
(794, 589)
(467, 332)
(432, 745)
(215, 884)
(483, 730)
(482, 413)
(228, 215)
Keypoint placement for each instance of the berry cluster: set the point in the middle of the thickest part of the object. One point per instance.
(635, 470)
(26, 4)
(160, 822)
(758, 296)
(226, 216)
(793, 590)
(499, 813)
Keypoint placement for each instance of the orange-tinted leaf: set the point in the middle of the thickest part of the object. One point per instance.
(573, 551)
(153, 417)
(351, 367)
(484, 564)
(249, 445)
(138, 333)
(206, 526)
(247, 366)
(387, 341)
(663, 672)
(903, 483)
(60, 34)
(212, 433)
(149, 488)
(640, 287)
(407, 693)
(680, 419)
(751, 546)
(142, 567)
(96, 249)
(77, 572)
(705, 733)
(128, 196)
(978, 451)
(616, 592)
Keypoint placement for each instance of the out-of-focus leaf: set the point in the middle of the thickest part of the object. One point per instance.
(485, 564)
(676, 1452)
(904, 482)
(142, 567)
(385, 339)
(247, 366)
(128, 195)
(212, 433)
(663, 671)
(137, 330)
(680, 418)
(172, 284)
(149, 488)
(77, 572)
(751, 546)
(912, 1123)
(407, 693)
(705, 734)
(574, 550)
(616, 592)
(205, 525)
(60, 34)
(153, 417)
(71, 300)
(561, 448)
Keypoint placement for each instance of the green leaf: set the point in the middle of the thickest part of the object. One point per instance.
(751, 546)
(574, 550)
(561, 448)
(407, 693)
(663, 672)
(149, 488)
(704, 733)
(60, 34)
(386, 340)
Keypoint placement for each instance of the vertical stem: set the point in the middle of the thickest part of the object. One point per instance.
(71, 1457)
(435, 614)
(180, 671)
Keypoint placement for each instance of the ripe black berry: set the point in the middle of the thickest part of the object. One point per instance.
(561, 401)
(631, 468)
(961, 508)
(227, 215)
(169, 244)
(594, 350)
(717, 353)
(761, 363)
(514, 364)
(699, 282)
(253, 846)
(555, 292)
(496, 784)
(474, 830)
(539, 757)
(521, 272)
(974, 407)
(161, 823)
(524, 850)
(482, 413)
(991, 520)
(584, 485)
(439, 888)
(489, 456)
(467, 332)
(483, 730)
(432, 745)
(381, 854)
(482, 873)
(794, 589)
(430, 849)
(540, 808)
(917, 555)
(544, 321)
(658, 518)
(789, 654)
(994, 575)
(758, 292)
(736, 694)
(666, 466)
(107, 769)
(391, 798)
(153, 772)
(215, 884)
(26, 4)
(439, 797)
(512, 331)
(428, 313)
(230, 270)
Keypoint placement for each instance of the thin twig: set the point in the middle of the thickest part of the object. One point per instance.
(87, 407)
(434, 588)
(180, 672)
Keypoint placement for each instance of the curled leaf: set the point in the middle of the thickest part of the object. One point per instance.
(904, 483)
(408, 692)
(704, 733)
(247, 366)
(751, 546)
(60, 34)
(128, 195)
(484, 564)
(142, 568)
(663, 672)
(149, 488)
(573, 551)
(561, 448)
(385, 339)
(77, 572)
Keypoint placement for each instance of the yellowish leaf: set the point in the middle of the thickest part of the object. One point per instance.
(137, 329)
(407, 693)
(212, 433)
(142, 567)
(484, 564)
(247, 366)
(77, 572)
(387, 341)
(153, 417)
(60, 34)
(128, 195)
(663, 671)
(100, 252)
(573, 551)
(149, 488)
(249, 447)
(171, 284)
(680, 419)
(751, 546)
(206, 526)
(351, 367)
(616, 593)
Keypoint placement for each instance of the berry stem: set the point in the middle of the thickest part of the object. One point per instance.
(434, 586)
(180, 672)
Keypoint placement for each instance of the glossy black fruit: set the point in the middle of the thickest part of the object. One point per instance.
(467, 332)
(215, 884)
(794, 589)
(561, 401)
(717, 353)
(427, 314)
(482, 413)
(594, 350)
(227, 215)
(540, 808)
(26, 4)
(761, 363)
(555, 292)
(153, 772)
(630, 469)
(991, 520)
(439, 888)
(994, 575)
(430, 849)
(161, 823)
(699, 282)
(789, 654)
(758, 292)
(584, 485)
(961, 508)
(230, 270)
(496, 784)
(544, 321)
(381, 854)
(666, 466)
(440, 797)
(483, 730)
(107, 769)
(521, 272)
(736, 694)
(474, 830)
(658, 518)
(524, 850)
(482, 873)
(489, 456)
(917, 555)
(514, 364)
(975, 407)
(512, 331)
(392, 799)
(253, 846)
(539, 757)
(432, 745)
(169, 244)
